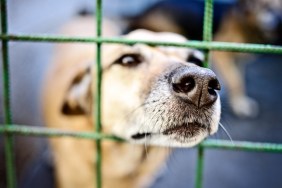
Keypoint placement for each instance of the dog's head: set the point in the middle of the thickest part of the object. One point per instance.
(264, 15)
(152, 94)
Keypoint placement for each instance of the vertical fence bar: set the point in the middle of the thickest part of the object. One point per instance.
(97, 110)
(200, 167)
(207, 36)
(208, 26)
(9, 146)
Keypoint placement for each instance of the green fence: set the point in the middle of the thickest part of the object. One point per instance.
(8, 129)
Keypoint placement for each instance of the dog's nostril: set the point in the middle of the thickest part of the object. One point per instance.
(212, 86)
(185, 85)
(211, 91)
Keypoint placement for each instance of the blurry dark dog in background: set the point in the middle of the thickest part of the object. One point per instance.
(242, 21)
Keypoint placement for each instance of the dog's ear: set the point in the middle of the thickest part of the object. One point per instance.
(78, 99)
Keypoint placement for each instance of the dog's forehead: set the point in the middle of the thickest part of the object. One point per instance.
(113, 51)
(142, 34)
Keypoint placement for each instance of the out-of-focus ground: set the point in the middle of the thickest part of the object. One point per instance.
(222, 168)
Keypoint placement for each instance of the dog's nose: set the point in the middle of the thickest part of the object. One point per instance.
(195, 85)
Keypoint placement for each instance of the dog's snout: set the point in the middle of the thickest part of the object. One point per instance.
(195, 84)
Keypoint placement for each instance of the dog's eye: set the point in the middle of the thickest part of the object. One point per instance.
(129, 60)
(195, 60)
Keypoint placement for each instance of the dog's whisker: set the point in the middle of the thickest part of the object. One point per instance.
(226, 132)
(151, 121)
(159, 116)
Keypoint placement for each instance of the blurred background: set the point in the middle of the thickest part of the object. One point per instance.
(232, 169)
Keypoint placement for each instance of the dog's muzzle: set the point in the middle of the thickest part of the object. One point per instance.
(185, 108)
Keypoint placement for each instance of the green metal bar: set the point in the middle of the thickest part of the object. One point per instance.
(204, 45)
(207, 37)
(208, 25)
(208, 20)
(242, 145)
(51, 132)
(25, 130)
(97, 115)
(200, 167)
(9, 142)
(5, 59)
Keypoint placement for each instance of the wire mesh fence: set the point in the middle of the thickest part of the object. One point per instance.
(8, 129)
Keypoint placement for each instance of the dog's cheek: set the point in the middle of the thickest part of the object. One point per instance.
(121, 95)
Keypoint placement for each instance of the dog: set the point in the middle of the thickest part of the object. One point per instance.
(248, 22)
(151, 96)
(244, 21)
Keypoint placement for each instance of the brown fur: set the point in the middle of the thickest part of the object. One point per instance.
(242, 25)
(74, 158)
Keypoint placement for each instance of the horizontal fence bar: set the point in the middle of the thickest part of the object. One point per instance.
(52, 132)
(242, 145)
(221, 46)
(210, 143)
